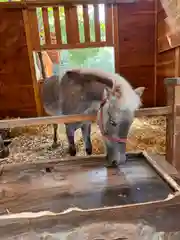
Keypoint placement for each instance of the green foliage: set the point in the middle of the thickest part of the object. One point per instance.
(88, 57)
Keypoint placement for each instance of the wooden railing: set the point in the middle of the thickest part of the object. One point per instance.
(54, 40)
(157, 111)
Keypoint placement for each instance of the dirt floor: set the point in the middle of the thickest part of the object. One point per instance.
(34, 143)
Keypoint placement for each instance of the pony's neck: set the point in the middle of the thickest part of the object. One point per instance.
(129, 99)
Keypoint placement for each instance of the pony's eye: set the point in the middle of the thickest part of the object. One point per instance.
(113, 123)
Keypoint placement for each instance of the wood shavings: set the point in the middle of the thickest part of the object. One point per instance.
(32, 144)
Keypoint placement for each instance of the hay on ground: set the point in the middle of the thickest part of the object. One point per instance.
(34, 143)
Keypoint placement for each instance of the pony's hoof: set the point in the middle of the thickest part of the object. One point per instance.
(89, 151)
(72, 151)
(4, 153)
(111, 165)
(54, 145)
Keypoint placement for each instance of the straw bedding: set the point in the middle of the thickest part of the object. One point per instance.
(34, 143)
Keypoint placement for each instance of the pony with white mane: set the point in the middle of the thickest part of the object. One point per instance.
(85, 90)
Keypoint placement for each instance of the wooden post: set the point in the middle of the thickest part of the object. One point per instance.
(173, 122)
(31, 60)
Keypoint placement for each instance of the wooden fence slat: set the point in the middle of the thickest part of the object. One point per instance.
(46, 25)
(33, 25)
(109, 23)
(155, 111)
(74, 24)
(116, 37)
(97, 23)
(72, 29)
(86, 23)
(57, 25)
(68, 23)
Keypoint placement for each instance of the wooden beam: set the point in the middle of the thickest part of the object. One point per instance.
(73, 46)
(158, 111)
(11, 5)
(40, 3)
(168, 42)
(116, 37)
(54, 3)
(31, 60)
(158, 169)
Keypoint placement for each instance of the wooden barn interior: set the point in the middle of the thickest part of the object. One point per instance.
(43, 193)
(145, 50)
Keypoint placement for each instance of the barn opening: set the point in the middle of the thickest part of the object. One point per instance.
(91, 29)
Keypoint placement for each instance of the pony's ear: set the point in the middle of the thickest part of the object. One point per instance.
(139, 91)
(73, 73)
(107, 93)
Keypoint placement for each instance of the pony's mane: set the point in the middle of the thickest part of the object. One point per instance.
(129, 100)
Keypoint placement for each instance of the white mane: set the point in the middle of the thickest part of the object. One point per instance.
(129, 100)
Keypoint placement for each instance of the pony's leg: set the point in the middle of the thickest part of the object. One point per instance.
(55, 128)
(70, 135)
(4, 150)
(86, 133)
(116, 154)
(109, 155)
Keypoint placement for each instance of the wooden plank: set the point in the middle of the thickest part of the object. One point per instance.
(163, 216)
(57, 25)
(34, 31)
(40, 3)
(161, 172)
(177, 62)
(116, 38)
(170, 125)
(46, 25)
(74, 25)
(178, 110)
(97, 23)
(162, 28)
(158, 111)
(78, 160)
(86, 23)
(31, 60)
(11, 5)
(155, 54)
(68, 161)
(168, 42)
(166, 166)
(109, 23)
(74, 46)
(72, 29)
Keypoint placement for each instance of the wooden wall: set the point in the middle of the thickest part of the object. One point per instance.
(168, 54)
(16, 89)
(145, 57)
(137, 46)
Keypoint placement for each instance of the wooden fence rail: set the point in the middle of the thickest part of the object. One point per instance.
(47, 38)
(40, 3)
(157, 111)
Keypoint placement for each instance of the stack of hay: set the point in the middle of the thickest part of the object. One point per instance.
(145, 134)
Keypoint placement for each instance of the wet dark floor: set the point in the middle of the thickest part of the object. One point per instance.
(86, 186)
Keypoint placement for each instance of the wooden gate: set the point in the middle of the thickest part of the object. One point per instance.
(47, 40)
